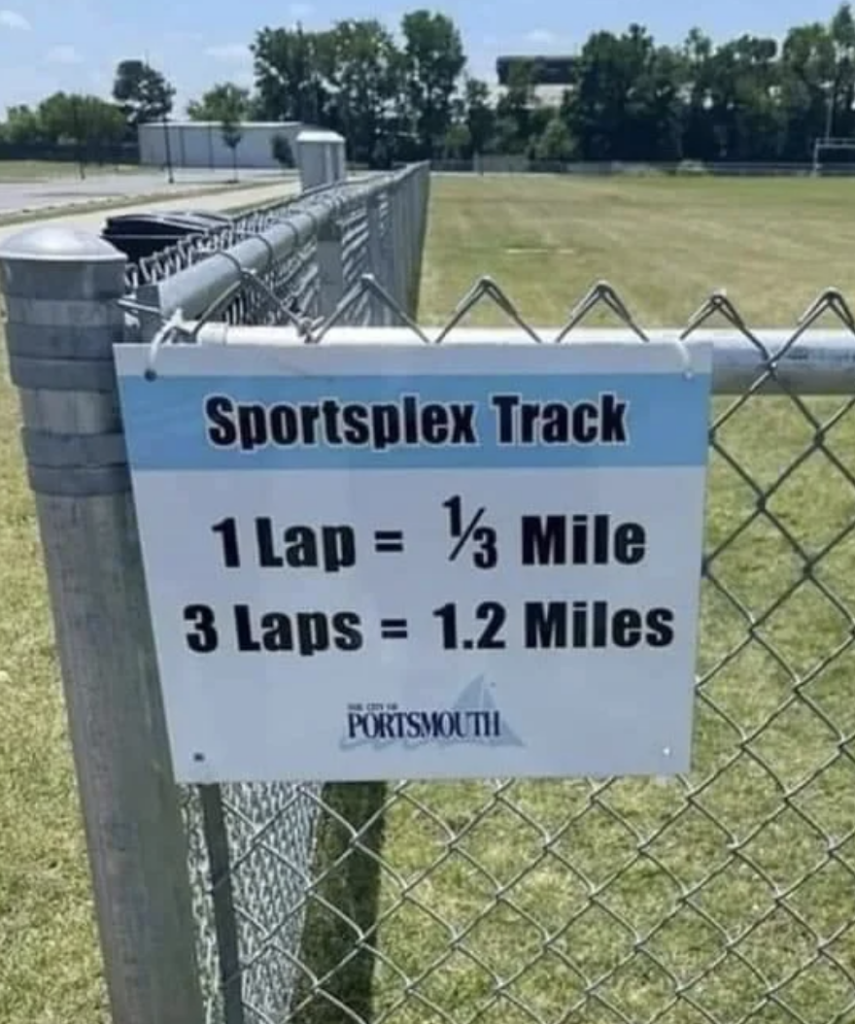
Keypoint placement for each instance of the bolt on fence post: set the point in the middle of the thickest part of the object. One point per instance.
(61, 288)
(330, 267)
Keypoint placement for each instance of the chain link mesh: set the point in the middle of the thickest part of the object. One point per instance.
(724, 896)
(187, 251)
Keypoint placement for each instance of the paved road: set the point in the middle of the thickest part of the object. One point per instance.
(94, 221)
(63, 191)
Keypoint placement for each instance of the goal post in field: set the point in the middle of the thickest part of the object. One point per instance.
(835, 146)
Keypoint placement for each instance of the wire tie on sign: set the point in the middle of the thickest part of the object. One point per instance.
(173, 326)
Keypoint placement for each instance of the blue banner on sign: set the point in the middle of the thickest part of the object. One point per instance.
(416, 422)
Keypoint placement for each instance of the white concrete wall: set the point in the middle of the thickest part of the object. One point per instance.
(200, 144)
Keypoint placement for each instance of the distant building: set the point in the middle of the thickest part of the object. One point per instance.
(544, 70)
(200, 143)
(550, 76)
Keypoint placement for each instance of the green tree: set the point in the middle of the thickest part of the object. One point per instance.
(230, 105)
(281, 150)
(807, 68)
(458, 142)
(22, 126)
(291, 74)
(71, 117)
(695, 73)
(142, 92)
(222, 101)
(841, 98)
(231, 131)
(365, 77)
(627, 102)
(433, 62)
(597, 113)
(480, 115)
(514, 109)
(555, 144)
(87, 123)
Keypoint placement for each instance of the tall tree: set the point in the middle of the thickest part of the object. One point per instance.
(555, 143)
(514, 108)
(22, 125)
(807, 68)
(842, 89)
(605, 80)
(291, 74)
(80, 119)
(85, 124)
(228, 104)
(433, 63)
(223, 100)
(231, 131)
(142, 92)
(696, 72)
(479, 114)
(365, 76)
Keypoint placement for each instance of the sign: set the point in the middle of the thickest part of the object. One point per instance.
(415, 561)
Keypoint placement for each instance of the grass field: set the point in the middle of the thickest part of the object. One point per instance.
(591, 903)
(46, 170)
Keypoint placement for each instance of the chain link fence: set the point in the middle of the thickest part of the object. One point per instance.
(724, 896)
(282, 874)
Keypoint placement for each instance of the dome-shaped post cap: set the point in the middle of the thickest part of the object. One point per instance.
(58, 242)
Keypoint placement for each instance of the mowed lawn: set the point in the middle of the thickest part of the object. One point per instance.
(664, 243)
(46, 170)
(49, 963)
(727, 895)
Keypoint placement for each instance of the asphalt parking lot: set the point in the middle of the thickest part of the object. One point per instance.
(256, 193)
(23, 196)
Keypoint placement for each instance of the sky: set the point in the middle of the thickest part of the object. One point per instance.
(74, 45)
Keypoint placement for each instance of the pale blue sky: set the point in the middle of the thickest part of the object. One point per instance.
(74, 45)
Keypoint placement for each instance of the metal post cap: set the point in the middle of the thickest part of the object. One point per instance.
(58, 243)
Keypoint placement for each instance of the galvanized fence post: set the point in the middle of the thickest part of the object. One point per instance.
(421, 188)
(61, 288)
(378, 260)
(330, 267)
(407, 242)
(399, 243)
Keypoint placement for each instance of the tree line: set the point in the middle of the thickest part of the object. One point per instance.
(80, 125)
(628, 98)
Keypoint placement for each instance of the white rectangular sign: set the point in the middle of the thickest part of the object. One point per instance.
(422, 561)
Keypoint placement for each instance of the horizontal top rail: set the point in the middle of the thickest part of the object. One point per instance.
(818, 362)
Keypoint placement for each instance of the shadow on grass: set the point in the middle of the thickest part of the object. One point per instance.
(339, 936)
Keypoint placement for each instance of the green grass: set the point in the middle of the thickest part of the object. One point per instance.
(47, 170)
(49, 965)
(726, 886)
(663, 242)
